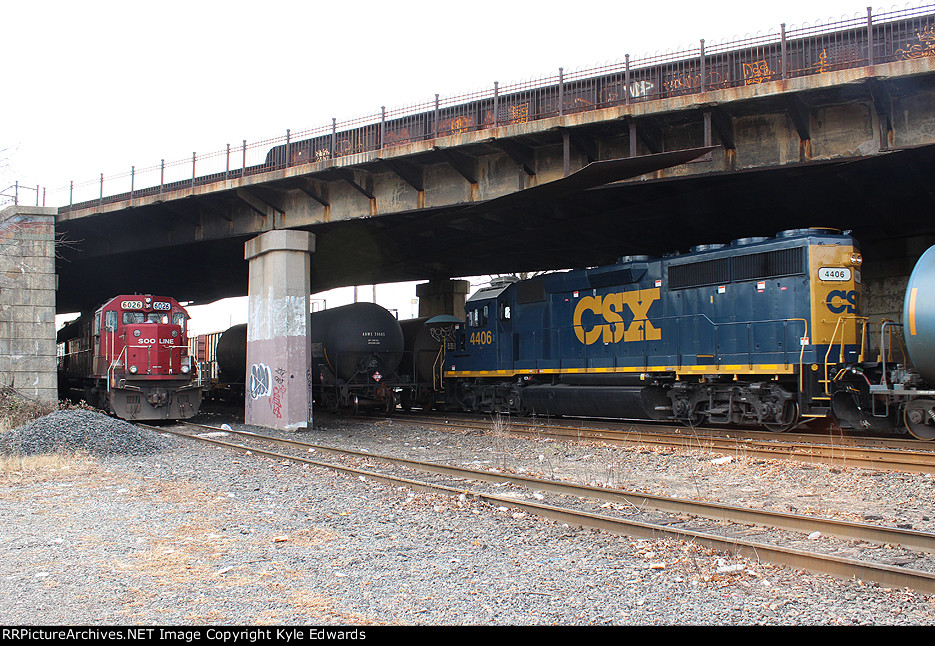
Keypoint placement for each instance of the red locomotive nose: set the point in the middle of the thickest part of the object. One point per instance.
(154, 349)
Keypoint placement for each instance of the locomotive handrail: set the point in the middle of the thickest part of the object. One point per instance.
(111, 369)
(842, 323)
(438, 369)
(883, 326)
(834, 334)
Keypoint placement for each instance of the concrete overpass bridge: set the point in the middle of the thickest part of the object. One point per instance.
(831, 126)
(812, 126)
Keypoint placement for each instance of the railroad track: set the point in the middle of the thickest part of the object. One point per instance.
(720, 527)
(894, 455)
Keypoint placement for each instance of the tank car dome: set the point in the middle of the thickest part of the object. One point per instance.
(919, 316)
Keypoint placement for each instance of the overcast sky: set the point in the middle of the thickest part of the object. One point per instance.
(97, 87)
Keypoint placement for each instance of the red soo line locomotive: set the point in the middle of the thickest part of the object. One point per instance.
(131, 358)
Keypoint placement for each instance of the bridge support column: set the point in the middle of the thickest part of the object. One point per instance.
(442, 297)
(278, 380)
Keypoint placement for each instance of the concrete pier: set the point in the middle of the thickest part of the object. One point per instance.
(442, 297)
(27, 301)
(278, 379)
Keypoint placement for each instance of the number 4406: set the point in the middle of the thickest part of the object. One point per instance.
(484, 337)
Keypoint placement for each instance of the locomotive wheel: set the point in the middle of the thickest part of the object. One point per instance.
(790, 418)
(920, 418)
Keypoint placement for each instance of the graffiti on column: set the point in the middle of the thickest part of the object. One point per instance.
(279, 390)
(259, 381)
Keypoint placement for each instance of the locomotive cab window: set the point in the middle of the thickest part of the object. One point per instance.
(156, 317)
(179, 319)
(504, 312)
(130, 318)
(478, 317)
(110, 321)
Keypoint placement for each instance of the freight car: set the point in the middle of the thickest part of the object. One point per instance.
(426, 340)
(362, 357)
(130, 358)
(356, 351)
(761, 331)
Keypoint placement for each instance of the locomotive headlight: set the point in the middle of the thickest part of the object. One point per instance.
(856, 259)
(185, 370)
(175, 333)
(133, 370)
(136, 332)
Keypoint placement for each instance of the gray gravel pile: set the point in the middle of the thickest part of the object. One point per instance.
(81, 430)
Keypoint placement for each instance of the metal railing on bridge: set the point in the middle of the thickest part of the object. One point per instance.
(899, 34)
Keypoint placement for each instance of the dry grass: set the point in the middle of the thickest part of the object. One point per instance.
(17, 409)
(40, 468)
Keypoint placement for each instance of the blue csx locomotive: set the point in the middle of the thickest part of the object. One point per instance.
(763, 331)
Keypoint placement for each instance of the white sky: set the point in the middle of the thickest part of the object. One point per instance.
(97, 87)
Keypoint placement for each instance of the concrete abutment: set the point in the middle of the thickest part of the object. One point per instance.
(27, 302)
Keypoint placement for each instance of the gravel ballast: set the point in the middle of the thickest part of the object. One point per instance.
(68, 431)
(180, 533)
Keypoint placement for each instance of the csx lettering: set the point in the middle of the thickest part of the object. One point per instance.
(611, 309)
(848, 301)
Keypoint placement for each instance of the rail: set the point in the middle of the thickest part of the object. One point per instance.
(862, 40)
(471, 483)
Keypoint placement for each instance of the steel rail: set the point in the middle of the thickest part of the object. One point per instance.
(879, 534)
(885, 575)
(835, 455)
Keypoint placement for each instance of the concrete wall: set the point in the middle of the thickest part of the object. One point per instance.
(27, 301)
